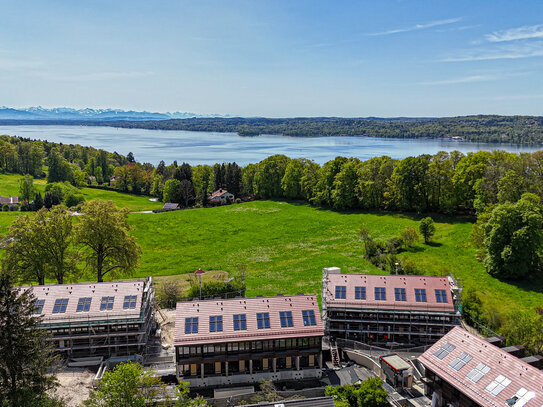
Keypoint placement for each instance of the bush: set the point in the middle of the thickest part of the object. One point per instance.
(427, 229)
(5, 208)
(72, 200)
(14, 208)
(216, 288)
(169, 293)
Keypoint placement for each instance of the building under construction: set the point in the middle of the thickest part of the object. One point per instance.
(96, 319)
(389, 310)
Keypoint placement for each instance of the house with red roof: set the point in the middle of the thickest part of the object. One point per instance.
(389, 310)
(221, 197)
(465, 370)
(242, 340)
(96, 319)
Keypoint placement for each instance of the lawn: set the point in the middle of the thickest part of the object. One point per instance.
(284, 247)
(9, 184)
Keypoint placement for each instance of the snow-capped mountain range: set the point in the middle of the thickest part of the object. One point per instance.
(66, 113)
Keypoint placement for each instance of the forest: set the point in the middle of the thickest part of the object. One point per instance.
(482, 128)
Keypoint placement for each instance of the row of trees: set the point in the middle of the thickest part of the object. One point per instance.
(50, 246)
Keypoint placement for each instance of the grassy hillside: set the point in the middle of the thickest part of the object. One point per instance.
(284, 247)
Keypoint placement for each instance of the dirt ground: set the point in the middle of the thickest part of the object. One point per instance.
(167, 327)
(74, 386)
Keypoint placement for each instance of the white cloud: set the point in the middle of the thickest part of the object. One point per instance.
(519, 33)
(465, 79)
(505, 51)
(417, 27)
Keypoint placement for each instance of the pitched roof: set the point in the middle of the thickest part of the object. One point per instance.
(310, 402)
(9, 200)
(250, 307)
(390, 283)
(170, 205)
(73, 292)
(501, 363)
(219, 193)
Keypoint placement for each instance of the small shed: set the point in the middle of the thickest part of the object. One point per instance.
(170, 206)
(397, 371)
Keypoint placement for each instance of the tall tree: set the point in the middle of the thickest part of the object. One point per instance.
(130, 157)
(514, 238)
(427, 229)
(268, 176)
(234, 179)
(104, 235)
(171, 191)
(58, 168)
(26, 354)
(26, 188)
(186, 193)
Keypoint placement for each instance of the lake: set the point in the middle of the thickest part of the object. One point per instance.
(209, 148)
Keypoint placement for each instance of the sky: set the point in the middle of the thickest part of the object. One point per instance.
(275, 58)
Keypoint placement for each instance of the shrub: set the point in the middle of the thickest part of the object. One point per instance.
(169, 293)
(5, 208)
(216, 288)
(427, 229)
(72, 200)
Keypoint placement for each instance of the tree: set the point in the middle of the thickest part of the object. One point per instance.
(344, 186)
(234, 179)
(130, 157)
(409, 236)
(513, 238)
(26, 354)
(369, 393)
(410, 184)
(38, 202)
(427, 229)
(26, 188)
(186, 192)
(171, 191)
(58, 168)
(104, 235)
(268, 176)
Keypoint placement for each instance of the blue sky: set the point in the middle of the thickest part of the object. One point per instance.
(275, 58)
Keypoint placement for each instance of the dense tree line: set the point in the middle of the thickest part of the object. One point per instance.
(481, 128)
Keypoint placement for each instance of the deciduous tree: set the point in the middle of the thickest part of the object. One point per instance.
(427, 229)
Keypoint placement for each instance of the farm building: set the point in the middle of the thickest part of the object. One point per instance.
(9, 200)
(388, 310)
(221, 197)
(242, 340)
(462, 369)
(96, 319)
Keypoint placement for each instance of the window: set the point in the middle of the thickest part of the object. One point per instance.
(441, 296)
(497, 385)
(215, 323)
(60, 305)
(444, 350)
(380, 293)
(191, 325)
(240, 322)
(107, 303)
(460, 361)
(479, 371)
(360, 293)
(38, 306)
(263, 320)
(83, 305)
(309, 318)
(522, 397)
(286, 319)
(399, 293)
(420, 294)
(341, 292)
(129, 302)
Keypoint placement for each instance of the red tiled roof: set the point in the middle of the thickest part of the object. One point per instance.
(521, 374)
(250, 307)
(218, 193)
(390, 282)
(96, 291)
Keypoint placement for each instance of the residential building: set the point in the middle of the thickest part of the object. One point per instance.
(308, 402)
(9, 200)
(389, 310)
(96, 319)
(221, 197)
(463, 369)
(242, 340)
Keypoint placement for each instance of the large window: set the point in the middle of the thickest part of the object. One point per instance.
(309, 317)
(444, 350)
(263, 320)
(240, 322)
(460, 361)
(478, 372)
(191, 325)
(60, 305)
(38, 306)
(215, 323)
(107, 303)
(380, 293)
(497, 385)
(286, 319)
(441, 296)
(399, 294)
(360, 293)
(341, 292)
(420, 294)
(83, 305)
(129, 302)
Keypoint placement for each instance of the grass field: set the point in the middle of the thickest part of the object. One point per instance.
(9, 186)
(284, 247)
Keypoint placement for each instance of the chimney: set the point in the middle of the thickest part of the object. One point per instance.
(535, 361)
(498, 341)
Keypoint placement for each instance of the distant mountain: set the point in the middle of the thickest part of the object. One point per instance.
(65, 113)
